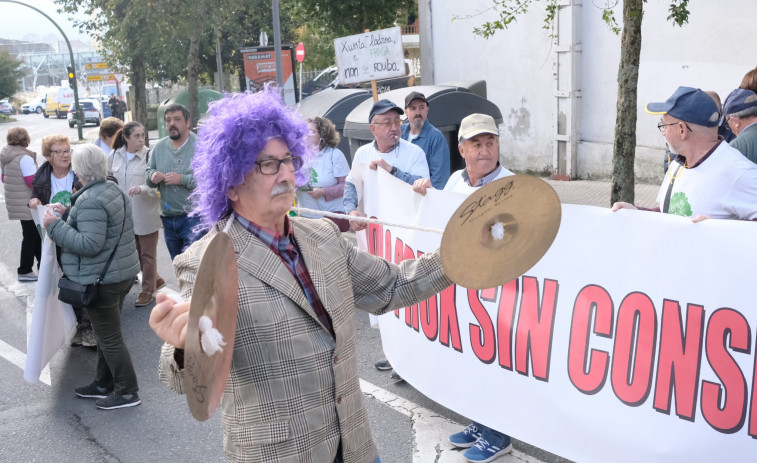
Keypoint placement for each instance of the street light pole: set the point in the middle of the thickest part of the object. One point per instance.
(70, 54)
(277, 46)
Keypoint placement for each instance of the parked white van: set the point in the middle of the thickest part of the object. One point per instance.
(58, 101)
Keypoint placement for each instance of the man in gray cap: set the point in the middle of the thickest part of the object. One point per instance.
(388, 151)
(708, 178)
(419, 131)
(740, 110)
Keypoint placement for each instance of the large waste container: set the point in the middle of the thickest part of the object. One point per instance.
(448, 105)
(204, 97)
(334, 105)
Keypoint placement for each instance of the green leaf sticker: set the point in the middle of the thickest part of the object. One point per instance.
(679, 205)
(62, 197)
(313, 176)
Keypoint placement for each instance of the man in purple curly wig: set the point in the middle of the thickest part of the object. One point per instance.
(293, 392)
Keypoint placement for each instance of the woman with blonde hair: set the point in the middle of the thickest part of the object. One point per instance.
(127, 165)
(55, 182)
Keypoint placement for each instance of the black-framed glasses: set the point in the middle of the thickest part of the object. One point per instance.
(272, 166)
(661, 126)
(389, 123)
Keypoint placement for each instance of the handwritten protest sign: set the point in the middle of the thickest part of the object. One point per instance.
(370, 56)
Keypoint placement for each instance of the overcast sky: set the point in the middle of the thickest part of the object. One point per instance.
(23, 23)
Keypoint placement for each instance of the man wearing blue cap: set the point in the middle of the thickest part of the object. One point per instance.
(708, 178)
(388, 151)
(741, 113)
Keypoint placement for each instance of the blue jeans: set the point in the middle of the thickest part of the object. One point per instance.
(179, 234)
(492, 437)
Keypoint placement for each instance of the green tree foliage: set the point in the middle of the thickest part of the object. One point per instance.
(624, 151)
(10, 72)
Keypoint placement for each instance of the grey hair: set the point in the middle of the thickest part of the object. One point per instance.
(746, 113)
(89, 163)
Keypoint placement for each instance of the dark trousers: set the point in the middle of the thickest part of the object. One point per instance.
(114, 368)
(178, 232)
(31, 247)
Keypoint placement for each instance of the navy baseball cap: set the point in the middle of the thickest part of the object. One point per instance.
(382, 106)
(739, 100)
(689, 105)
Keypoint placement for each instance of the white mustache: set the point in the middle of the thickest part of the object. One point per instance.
(283, 187)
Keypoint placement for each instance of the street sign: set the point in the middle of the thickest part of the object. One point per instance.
(99, 78)
(96, 66)
(96, 72)
(300, 52)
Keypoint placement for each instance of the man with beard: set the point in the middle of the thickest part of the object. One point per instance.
(419, 131)
(169, 171)
(293, 393)
(708, 178)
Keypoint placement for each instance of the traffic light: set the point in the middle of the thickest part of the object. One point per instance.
(71, 77)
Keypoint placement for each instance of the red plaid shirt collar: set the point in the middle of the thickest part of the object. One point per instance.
(285, 246)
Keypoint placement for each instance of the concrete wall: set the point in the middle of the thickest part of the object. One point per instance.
(519, 66)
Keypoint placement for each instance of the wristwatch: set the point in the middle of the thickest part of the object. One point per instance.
(393, 171)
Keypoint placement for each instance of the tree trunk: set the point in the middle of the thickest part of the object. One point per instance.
(624, 148)
(193, 61)
(138, 86)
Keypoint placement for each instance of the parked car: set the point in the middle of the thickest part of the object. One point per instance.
(34, 107)
(91, 113)
(6, 108)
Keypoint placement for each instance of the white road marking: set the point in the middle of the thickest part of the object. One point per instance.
(26, 292)
(431, 431)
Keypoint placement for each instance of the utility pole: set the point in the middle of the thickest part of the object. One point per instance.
(70, 54)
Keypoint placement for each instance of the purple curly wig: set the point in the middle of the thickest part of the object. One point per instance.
(229, 141)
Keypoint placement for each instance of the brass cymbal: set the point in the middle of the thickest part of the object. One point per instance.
(215, 295)
(530, 211)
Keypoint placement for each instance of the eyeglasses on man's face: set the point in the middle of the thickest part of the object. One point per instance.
(661, 126)
(272, 166)
(389, 123)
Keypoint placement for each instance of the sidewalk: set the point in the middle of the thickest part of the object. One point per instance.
(597, 193)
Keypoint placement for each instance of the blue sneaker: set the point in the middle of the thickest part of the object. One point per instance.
(484, 451)
(465, 438)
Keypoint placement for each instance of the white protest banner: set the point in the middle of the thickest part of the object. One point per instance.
(370, 56)
(631, 340)
(53, 322)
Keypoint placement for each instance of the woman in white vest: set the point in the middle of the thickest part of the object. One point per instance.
(127, 165)
(18, 168)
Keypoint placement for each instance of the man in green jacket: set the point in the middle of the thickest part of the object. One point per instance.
(170, 172)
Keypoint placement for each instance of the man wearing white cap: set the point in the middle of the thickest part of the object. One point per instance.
(479, 146)
(708, 178)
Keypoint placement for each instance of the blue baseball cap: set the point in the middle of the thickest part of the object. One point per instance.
(739, 100)
(689, 105)
(382, 106)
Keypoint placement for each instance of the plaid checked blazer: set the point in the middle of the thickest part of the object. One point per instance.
(293, 392)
